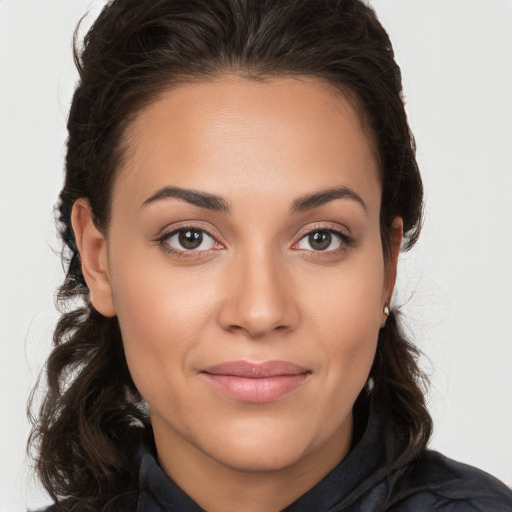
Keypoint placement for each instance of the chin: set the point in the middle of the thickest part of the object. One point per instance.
(264, 447)
(257, 458)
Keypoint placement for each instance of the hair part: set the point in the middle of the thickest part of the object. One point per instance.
(134, 52)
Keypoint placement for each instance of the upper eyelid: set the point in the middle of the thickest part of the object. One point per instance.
(173, 229)
(327, 226)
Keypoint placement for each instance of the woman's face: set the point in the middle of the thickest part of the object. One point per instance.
(245, 265)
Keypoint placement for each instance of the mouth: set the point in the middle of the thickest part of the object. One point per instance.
(256, 382)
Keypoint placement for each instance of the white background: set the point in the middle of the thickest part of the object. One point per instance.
(456, 58)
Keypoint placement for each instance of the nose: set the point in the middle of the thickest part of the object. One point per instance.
(259, 296)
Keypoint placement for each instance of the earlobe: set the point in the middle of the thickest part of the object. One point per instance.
(93, 254)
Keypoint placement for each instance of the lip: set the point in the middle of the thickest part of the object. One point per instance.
(256, 382)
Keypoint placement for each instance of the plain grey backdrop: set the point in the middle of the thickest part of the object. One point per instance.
(455, 288)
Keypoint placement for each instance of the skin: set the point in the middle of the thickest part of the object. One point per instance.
(257, 290)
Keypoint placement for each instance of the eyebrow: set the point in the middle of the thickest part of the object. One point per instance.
(201, 199)
(217, 203)
(310, 201)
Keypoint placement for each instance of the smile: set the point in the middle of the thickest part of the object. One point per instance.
(258, 383)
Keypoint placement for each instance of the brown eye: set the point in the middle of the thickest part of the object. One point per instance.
(190, 239)
(184, 240)
(323, 240)
(320, 240)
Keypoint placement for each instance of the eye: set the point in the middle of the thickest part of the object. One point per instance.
(322, 240)
(188, 239)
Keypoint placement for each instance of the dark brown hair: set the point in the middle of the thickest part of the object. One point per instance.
(136, 49)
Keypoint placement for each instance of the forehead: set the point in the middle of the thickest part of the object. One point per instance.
(232, 135)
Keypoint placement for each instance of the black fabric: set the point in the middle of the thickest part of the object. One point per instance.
(362, 482)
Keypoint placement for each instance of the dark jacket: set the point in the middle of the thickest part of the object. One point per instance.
(362, 482)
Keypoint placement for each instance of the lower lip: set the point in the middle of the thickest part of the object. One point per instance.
(266, 389)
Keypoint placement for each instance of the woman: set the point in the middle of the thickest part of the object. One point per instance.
(240, 180)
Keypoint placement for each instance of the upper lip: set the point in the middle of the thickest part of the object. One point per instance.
(255, 370)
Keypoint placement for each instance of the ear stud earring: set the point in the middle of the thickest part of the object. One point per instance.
(386, 313)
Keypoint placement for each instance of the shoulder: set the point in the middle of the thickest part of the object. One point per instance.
(435, 482)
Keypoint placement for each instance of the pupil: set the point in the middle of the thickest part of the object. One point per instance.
(190, 239)
(320, 240)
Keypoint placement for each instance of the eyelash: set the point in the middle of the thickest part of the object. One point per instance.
(162, 241)
(345, 241)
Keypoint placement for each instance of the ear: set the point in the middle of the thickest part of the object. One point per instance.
(93, 255)
(391, 265)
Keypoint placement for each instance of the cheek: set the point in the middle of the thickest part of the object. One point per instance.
(346, 320)
(160, 316)
(349, 303)
(154, 301)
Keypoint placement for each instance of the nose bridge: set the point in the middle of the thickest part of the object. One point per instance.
(259, 298)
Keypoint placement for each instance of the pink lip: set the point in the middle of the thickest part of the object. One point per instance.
(256, 382)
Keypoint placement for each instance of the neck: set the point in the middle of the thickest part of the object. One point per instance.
(218, 487)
